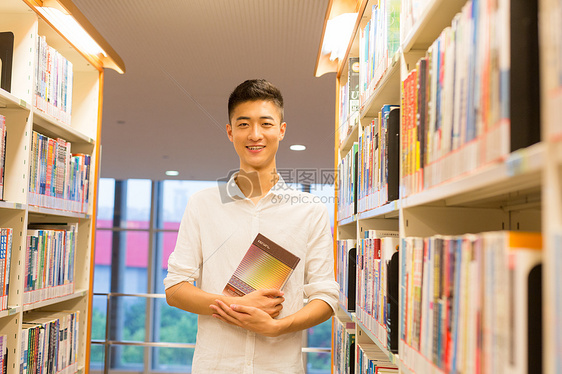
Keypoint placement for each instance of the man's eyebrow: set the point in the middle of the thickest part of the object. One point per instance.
(247, 118)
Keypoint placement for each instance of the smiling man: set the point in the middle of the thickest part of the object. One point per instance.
(261, 331)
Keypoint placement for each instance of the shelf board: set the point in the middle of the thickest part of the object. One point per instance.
(51, 126)
(388, 210)
(520, 171)
(393, 358)
(436, 15)
(9, 101)
(348, 221)
(56, 300)
(56, 212)
(348, 315)
(353, 136)
(11, 205)
(387, 90)
(10, 311)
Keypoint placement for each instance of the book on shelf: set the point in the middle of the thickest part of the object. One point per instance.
(344, 347)
(6, 60)
(6, 237)
(265, 265)
(392, 303)
(468, 301)
(474, 97)
(53, 82)
(346, 274)
(49, 342)
(353, 83)
(370, 360)
(347, 188)
(410, 14)
(3, 140)
(379, 40)
(49, 261)
(378, 160)
(4, 353)
(349, 99)
(374, 252)
(58, 179)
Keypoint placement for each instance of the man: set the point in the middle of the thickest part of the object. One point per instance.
(259, 332)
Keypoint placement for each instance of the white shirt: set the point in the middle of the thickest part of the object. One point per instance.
(218, 227)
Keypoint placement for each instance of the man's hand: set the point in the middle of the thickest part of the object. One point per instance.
(258, 321)
(269, 300)
(247, 317)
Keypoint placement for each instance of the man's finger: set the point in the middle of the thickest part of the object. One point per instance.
(272, 292)
(224, 311)
(242, 308)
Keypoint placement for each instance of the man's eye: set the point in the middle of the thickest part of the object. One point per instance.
(242, 125)
(267, 124)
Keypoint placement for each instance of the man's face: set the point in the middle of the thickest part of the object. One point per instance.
(255, 129)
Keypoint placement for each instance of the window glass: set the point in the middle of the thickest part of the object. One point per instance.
(99, 317)
(175, 195)
(318, 362)
(138, 204)
(325, 193)
(166, 242)
(102, 260)
(129, 358)
(319, 336)
(129, 324)
(173, 325)
(136, 263)
(97, 357)
(106, 200)
(173, 360)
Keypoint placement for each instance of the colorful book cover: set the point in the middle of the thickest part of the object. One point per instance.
(265, 265)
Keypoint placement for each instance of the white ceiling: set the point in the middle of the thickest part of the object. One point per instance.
(183, 58)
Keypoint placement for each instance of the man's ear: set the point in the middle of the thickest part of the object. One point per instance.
(229, 131)
(283, 127)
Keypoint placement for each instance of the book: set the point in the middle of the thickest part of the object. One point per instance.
(6, 57)
(393, 159)
(265, 265)
(3, 139)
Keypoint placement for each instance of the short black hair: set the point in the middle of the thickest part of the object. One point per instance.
(254, 90)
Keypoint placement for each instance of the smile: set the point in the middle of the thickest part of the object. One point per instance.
(255, 148)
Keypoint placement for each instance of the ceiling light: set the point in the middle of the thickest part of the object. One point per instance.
(72, 30)
(297, 147)
(172, 173)
(337, 35)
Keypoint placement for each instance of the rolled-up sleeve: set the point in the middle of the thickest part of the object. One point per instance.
(184, 264)
(319, 268)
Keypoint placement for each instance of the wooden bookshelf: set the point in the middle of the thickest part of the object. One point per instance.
(24, 20)
(519, 191)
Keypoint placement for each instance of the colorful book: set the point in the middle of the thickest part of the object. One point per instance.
(265, 265)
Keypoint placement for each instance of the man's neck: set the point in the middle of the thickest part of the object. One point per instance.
(256, 184)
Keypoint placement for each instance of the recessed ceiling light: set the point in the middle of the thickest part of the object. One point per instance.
(297, 147)
(172, 173)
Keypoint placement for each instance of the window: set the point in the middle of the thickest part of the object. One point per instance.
(133, 328)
